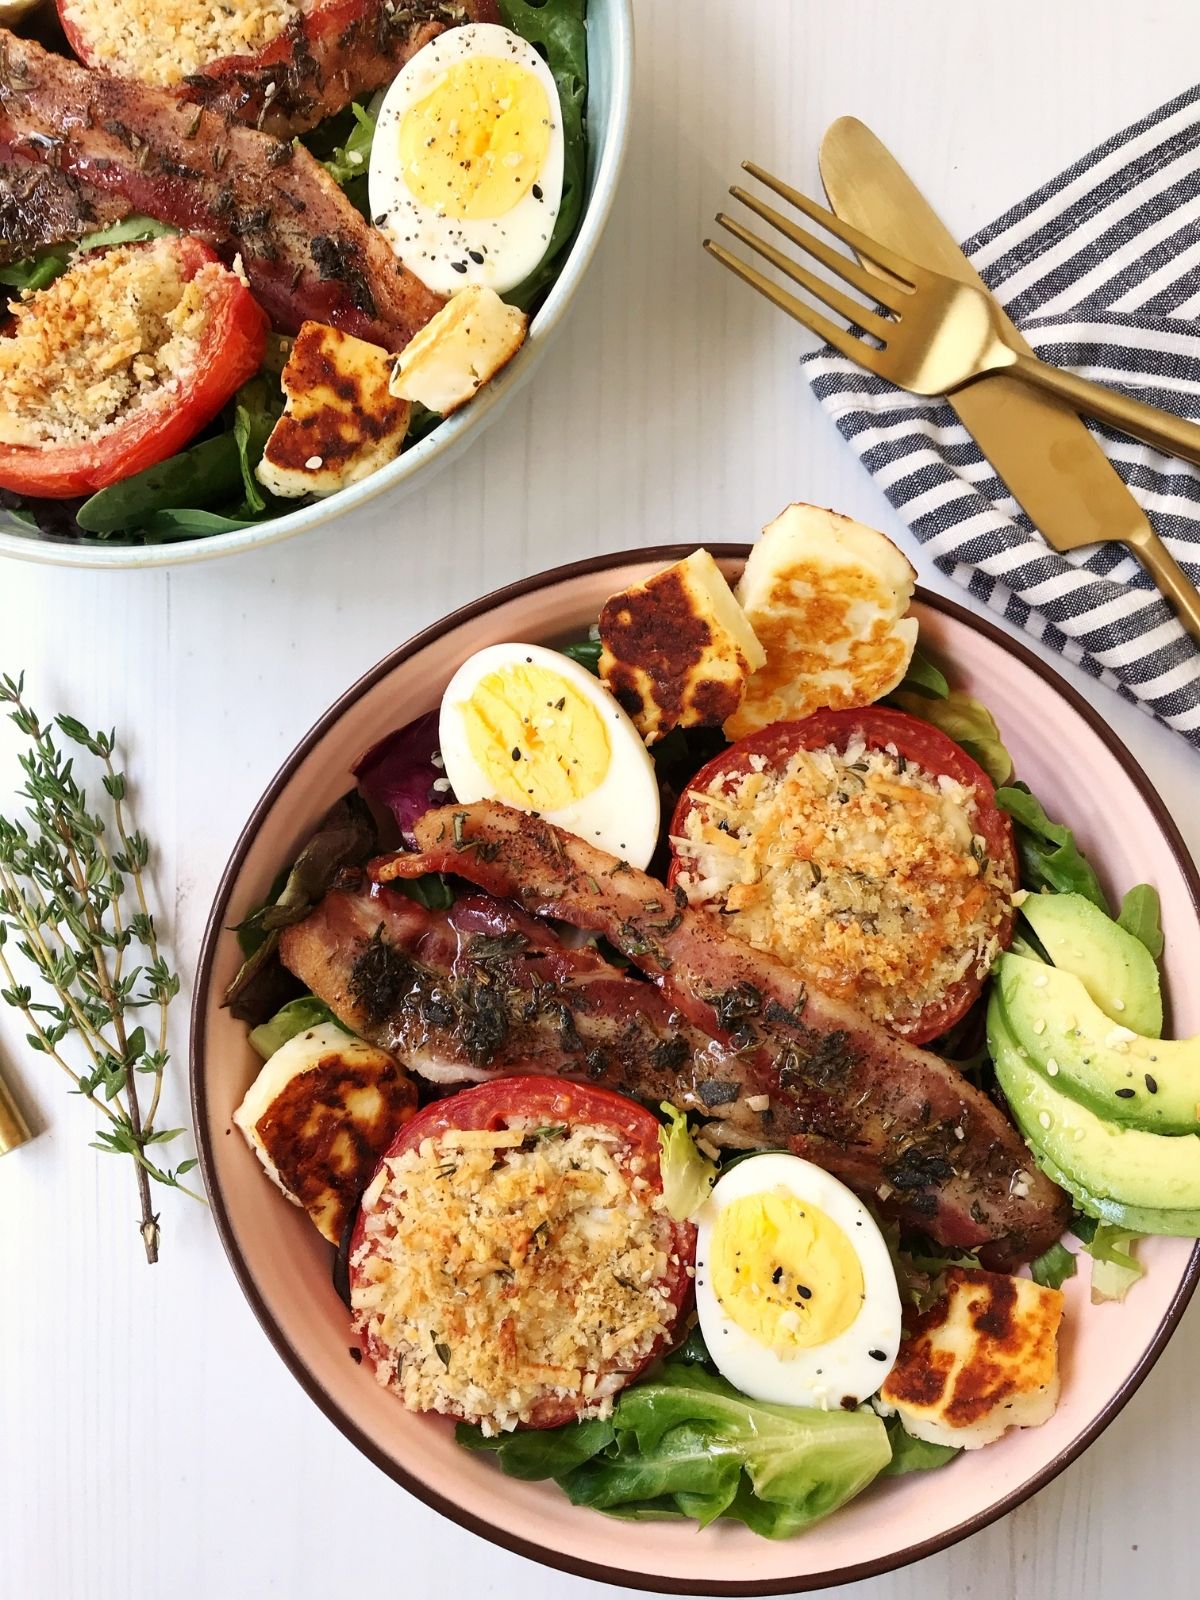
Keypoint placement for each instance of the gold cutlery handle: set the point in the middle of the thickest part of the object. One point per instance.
(1154, 427)
(1171, 579)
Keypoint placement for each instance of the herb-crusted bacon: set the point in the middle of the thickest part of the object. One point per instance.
(334, 52)
(894, 1121)
(116, 147)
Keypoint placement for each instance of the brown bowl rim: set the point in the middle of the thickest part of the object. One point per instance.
(215, 928)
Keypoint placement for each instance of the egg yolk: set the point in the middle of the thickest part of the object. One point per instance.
(476, 143)
(784, 1272)
(539, 743)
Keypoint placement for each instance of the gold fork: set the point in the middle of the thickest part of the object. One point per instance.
(940, 334)
(937, 335)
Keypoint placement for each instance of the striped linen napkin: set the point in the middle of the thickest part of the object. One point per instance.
(1100, 270)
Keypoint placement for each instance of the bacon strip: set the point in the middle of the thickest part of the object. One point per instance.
(482, 991)
(116, 147)
(895, 1122)
(337, 52)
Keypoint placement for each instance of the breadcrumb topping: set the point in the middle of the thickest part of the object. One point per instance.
(164, 43)
(119, 328)
(503, 1268)
(864, 870)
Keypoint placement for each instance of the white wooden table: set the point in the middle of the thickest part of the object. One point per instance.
(151, 1442)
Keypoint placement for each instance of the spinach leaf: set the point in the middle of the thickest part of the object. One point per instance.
(924, 678)
(1053, 1267)
(1050, 858)
(586, 652)
(35, 272)
(257, 407)
(208, 471)
(1140, 916)
(129, 230)
(558, 29)
(349, 160)
(913, 1455)
(431, 890)
(298, 1016)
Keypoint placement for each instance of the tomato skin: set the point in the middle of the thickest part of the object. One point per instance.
(231, 351)
(919, 743)
(550, 1100)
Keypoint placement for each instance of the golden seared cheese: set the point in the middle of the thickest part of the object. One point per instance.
(677, 649)
(320, 1115)
(984, 1359)
(826, 597)
(340, 423)
(458, 350)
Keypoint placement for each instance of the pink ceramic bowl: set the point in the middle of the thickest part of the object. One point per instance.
(1081, 773)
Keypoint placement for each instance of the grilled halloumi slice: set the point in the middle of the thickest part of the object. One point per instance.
(458, 350)
(320, 1115)
(826, 597)
(341, 422)
(677, 649)
(981, 1361)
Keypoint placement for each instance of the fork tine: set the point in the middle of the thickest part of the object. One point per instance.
(856, 349)
(880, 291)
(853, 310)
(906, 271)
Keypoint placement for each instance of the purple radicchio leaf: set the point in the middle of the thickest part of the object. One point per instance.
(401, 775)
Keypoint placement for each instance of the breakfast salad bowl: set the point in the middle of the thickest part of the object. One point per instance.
(341, 341)
(851, 1245)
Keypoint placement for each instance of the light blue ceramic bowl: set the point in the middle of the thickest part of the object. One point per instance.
(610, 66)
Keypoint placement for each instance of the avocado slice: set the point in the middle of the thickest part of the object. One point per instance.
(1116, 969)
(1122, 1076)
(1139, 1181)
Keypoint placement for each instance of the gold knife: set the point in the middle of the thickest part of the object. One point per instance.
(1053, 467)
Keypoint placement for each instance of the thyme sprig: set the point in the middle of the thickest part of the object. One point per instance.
(73, 904)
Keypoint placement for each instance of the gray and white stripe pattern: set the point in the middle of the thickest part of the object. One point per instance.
(1101, 271)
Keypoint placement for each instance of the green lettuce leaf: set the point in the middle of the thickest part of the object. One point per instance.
(1140, 915)
(687, 1175)
(1050, 858)
(923, 678)
(1115, 1268)
(298, 1016)
(965, 720)
(1053, 1267)
(686, 1444)
(913, 1455)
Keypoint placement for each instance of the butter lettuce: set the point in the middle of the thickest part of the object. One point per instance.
(686, 1444)
(687, 1175)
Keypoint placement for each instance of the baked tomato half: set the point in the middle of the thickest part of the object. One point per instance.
(119, 362)
(513, 1263)
(864, 848)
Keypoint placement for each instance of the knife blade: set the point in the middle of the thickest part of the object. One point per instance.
(1052, 466)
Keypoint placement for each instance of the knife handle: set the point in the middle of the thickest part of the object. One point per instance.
(1171, 579)
(1161, 429)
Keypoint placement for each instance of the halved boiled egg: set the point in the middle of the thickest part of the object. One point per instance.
(795, 1289)
(531, 728)
(467, 161)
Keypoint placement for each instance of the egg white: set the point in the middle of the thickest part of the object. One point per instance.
(621, 814)
(840, 1370)
(448, 252)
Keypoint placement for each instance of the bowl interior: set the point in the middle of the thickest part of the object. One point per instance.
(610, 61)
(284, 1266)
